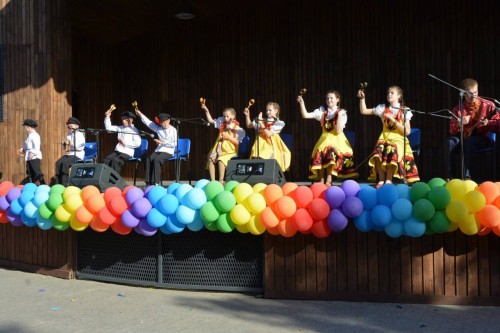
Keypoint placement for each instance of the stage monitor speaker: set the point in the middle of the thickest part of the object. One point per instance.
(100, 175)
(255, 171)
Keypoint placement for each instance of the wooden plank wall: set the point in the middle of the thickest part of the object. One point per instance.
(35, 37)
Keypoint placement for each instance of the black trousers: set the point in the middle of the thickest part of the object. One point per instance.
(62, 168)
(471, 145)
(33, 171)
(116, 160)
(152, 167)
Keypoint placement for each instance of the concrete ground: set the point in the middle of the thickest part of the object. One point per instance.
(36, 303)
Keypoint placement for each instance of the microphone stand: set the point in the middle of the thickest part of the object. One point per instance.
(460, 122)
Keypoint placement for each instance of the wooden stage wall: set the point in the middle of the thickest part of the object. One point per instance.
(266, 51)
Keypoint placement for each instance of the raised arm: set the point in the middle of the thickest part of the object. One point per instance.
(303, 110)
(207, 114)
(362, 104)
(248, 121)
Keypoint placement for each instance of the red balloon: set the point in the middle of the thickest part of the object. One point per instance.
(118, 205)
(289, 188)
(5, 187)
(302, 220)
(106, 217)
(286, 228)
(119, 228)
(110, 193)
(319, 209)
(97, 225)
(273, 231)
(318, 190)
(302, 196)
(3, 217)
(321, 229)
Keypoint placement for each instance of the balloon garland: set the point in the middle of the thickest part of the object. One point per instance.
(398, 210)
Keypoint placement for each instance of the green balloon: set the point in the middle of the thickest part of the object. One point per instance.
(418, 191)
(58, 188)
(428, 229)
(56, 224)
(225, 224)
(230, 185)
(440, 222)
(55, 200)
(440, 197)
(44, 212)
(209, 213)
(423, 210)
(212, 189)
(211, 226)
(225, 201)
(436, 182)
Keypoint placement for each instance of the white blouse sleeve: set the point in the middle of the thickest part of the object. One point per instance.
(318, 113)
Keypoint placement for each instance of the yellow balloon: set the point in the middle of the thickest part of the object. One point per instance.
(69, 191)
(470, 185)
(239, 214)
(452, 227)
(73, 202)
(469, 226)
(76, 225)
(259, 188)
(242, 228)
(474, 200)
(242, 191)
(457, 188)
(255, 203)
(255, 226)
(62, 215)
(456, 211)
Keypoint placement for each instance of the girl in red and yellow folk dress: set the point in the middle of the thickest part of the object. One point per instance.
(332, 153)
(269, 144)
(387, 160)
(228, 140)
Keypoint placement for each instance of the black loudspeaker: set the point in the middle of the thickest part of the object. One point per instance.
(255, 171)
(99, 175)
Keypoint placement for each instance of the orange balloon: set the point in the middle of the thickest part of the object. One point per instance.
(95, 203)
(483, 231)
(321, 229)
(106, 217)
(318, 190)
(110, 193)
(496, 230)
(490, 191)
(97, 225)
(286, 228)
(284, 207)
(5, 187)
(89, 191)
(272, 192)
(497, 202)
(268, 218)
(489, 216)
(289, 187)
(83, 215)
(319, 209)
(274, 231)
(302, 196)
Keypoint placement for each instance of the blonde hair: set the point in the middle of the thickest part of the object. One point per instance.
(469, 83)
(230, 110)
(276, 106)
(400, 92)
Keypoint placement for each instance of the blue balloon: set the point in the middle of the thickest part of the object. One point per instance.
(195, 198)
(368, 195)
(185, 215)
(155, 194)
(173, 225)
(182, 191)
(201, 183)
(387, 194)
(172, 188)
(156, 219)
(30, 187)
(30, 210)
(363, 222)
(15, 207)
(40, 198)
(43, 188)
(197, 224)
(28, 221)
(168, 204)
(404, 191)
(402, 209)
(44, 224)
(394, 229)
(414, 227)
(25, 197)
(381, 215)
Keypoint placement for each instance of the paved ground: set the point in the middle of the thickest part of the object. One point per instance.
(37, 303)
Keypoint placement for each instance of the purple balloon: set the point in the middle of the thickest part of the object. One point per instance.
(350, 188)
(141, 207)
(129, 220)
(336, 220)
(133, 195)
(145, 228)
(352, 207)
(4, 204)
(334, 196)
(14, 219)
(13, 194)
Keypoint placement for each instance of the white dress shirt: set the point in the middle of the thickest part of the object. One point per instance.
(32, 146)
(77, 144)
(128, 135)
(167, 136)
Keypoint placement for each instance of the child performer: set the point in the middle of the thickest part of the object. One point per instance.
(128, 139)
(332, 153)
(268, 144)
(387, 160)
(31, 151)
(226, 146)
(74, 145)
(165, 146)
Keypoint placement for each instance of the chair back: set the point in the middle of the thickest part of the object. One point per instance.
(244, 147)
(182, 150)
(142, 149)
(90, 150)
(414, 140)
(351, 137)
(287, 139)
